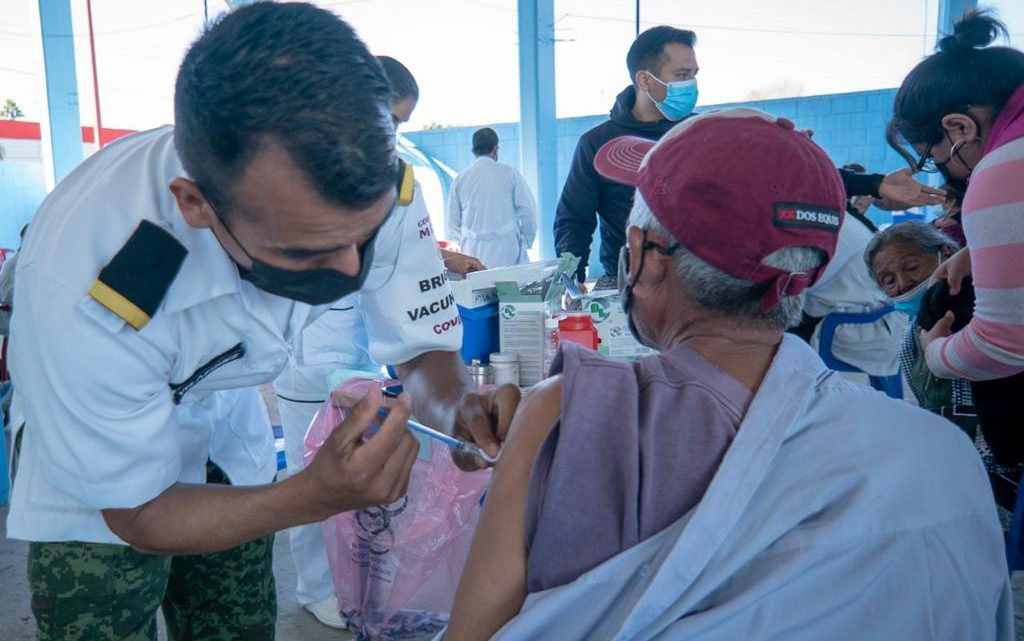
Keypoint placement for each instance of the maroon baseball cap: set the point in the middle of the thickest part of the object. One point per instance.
(733, 186)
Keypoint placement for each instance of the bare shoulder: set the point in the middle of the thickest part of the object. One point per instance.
(536, 415)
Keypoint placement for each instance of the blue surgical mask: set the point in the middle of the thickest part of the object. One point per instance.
(910, 302)
(680, 98)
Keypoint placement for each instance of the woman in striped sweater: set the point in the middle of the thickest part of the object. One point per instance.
(962, 109)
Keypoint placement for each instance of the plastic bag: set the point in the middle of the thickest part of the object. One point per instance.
(395, 567)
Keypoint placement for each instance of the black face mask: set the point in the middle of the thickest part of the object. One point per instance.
(318, 286)
(626, 290)
(959, 184)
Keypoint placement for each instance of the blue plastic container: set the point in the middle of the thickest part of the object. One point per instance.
(479, 332)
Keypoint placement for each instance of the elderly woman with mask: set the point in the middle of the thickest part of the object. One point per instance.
(717, 489)
(902, 258)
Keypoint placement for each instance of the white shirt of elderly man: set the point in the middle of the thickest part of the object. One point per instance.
(491, 213)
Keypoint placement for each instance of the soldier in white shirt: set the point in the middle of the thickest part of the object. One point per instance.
(166, 277)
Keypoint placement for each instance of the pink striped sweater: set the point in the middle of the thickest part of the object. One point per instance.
(992, 344)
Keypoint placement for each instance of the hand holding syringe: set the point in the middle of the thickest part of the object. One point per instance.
(457, 444)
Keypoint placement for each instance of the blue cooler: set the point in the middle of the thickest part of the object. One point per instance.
(479, 332)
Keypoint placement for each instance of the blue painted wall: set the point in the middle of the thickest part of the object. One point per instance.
(22, 188)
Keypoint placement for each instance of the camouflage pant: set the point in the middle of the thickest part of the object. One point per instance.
(94, 591)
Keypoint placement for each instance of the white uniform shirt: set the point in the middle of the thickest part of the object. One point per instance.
(837, 513)
(847, 287)
(404, 309)
(103, 430)
(491, 213)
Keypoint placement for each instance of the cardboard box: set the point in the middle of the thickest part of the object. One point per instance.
(521, 330)
(477, 289)
(613, 327)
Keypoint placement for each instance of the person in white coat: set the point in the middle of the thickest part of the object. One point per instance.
(491, 213)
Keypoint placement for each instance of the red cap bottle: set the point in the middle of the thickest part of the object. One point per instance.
(579, 328)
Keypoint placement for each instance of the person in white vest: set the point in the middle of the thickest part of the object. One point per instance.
(491, 213)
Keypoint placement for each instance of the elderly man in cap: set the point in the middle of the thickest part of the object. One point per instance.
(732, 487)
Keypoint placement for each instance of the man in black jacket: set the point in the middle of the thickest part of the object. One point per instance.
(663, 68)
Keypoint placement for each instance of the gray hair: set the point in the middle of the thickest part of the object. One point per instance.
(718, 292)
(921, 235)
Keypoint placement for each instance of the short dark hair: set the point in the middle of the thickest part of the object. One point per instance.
(484, 141)
(854, 166)
(964, 72)
(403, 83)
(647, 52)
(290, 75)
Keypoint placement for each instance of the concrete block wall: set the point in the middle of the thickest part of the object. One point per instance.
(850, 127)
(454, 145)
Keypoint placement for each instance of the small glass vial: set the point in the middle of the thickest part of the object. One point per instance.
(481, 373)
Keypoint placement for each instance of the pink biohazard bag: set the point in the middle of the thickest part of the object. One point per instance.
(395, 567)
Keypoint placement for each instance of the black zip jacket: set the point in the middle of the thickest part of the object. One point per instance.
(588, 197)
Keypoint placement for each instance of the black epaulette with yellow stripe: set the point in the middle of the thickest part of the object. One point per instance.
(406, 184)
(135, 281)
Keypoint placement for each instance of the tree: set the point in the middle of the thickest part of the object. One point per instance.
(11, 111)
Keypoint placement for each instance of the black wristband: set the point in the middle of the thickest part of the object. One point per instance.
(876, 184)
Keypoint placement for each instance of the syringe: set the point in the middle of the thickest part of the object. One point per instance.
(453, 442)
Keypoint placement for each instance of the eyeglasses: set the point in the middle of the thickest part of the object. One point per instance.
(926, 163)
(647, 245)
(664, 251)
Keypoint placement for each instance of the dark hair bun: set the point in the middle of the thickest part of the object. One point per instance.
(976, 29)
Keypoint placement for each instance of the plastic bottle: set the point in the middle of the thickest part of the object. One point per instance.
(550, 343)
(579, 328)
(505, 368)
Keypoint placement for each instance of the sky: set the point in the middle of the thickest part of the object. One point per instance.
(464, 52)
